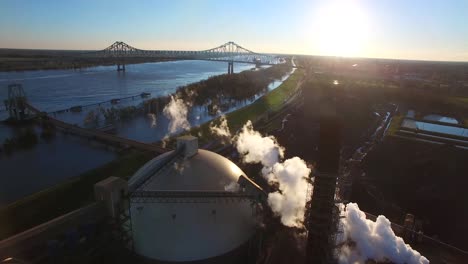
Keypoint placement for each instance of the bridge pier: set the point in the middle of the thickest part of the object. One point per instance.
(230, 52)
(121, 67)
(230, 67)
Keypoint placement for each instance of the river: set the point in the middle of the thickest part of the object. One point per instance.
(52, 90)
(48, 163)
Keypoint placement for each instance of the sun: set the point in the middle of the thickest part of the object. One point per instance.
(341, 29)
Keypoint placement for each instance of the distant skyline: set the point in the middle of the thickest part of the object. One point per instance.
(396, 29)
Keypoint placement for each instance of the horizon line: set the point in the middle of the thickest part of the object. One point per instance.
(271, 53)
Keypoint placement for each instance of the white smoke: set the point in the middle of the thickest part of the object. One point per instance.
(232, 187)
(255, 148)
(290, 201)
(222, 129)
(372, 240)
(152, 117)
(176, 111)
(291, 175)
(180, 166)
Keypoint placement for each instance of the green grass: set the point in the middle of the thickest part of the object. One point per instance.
(63, 198)
(395, 125)
(271, 102)
(268, 104)
(458, 100)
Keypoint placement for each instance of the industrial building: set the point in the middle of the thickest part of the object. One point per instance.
(193, 206)
(187, 205)
(322, 218)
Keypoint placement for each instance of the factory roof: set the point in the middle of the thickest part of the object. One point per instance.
(186, 169)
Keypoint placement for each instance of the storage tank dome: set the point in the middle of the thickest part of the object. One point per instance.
(186, 205)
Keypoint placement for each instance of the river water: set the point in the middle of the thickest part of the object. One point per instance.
(52, 90)
(26, 171)
(29, 170)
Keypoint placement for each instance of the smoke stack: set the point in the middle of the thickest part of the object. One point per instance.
(189, 145)
(319, 248)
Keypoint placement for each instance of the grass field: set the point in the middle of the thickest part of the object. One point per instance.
(266, 105)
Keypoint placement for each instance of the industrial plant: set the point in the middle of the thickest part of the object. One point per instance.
(192, 204)
(233, 132)
(187, 205)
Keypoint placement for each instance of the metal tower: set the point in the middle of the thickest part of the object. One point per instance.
(320, 221)
(16, 104)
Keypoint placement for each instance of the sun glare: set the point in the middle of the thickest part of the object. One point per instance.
(341, 29)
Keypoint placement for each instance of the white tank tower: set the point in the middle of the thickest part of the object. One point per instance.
(193, 205)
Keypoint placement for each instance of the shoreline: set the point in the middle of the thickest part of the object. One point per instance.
(18, 60)
(53, 63)
(47, 206)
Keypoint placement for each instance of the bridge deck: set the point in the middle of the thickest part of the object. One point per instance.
(101, 135)
(229, 51)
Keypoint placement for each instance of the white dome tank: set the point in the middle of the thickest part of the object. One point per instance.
(187, 206)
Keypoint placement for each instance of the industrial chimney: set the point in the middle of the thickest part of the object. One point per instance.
(320, 220)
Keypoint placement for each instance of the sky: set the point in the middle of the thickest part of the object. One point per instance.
(399, 29)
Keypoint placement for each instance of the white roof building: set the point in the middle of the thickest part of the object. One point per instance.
(189, 205)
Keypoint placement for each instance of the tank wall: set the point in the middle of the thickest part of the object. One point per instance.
(191, 231)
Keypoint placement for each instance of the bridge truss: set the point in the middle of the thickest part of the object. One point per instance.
(229, 52)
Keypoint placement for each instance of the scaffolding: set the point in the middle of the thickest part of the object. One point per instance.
(16, 104)
(122, 225)
(321, 219)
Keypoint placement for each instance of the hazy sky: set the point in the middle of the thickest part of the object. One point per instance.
(409, 29)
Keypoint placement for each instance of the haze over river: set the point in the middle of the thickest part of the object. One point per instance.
(26, 171)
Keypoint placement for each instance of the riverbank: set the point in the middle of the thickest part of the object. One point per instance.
(65, 87)
(78, 191)
(25, 60)
(147, 122)
(263, 109)
(65, 197)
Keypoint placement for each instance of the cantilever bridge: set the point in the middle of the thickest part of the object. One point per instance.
(229, 52)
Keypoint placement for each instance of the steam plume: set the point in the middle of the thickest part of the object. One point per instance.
(222, 129)
(232, 187)
(291, 175)
(290, 201)
(176, 111)
(372, 240)
(152, 117)
(255, 148)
